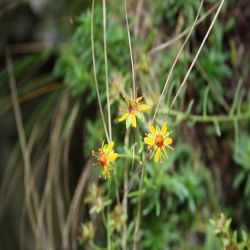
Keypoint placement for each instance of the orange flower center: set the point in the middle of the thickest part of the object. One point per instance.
(159, 141)
(103, 159)
(132, 107)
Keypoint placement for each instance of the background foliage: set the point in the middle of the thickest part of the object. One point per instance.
(207, 173)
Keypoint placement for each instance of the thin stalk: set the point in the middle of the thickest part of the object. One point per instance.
(106, 67)
(130, 51)
(108, 222)
(183, 33)
(133, 157)
(104, 219)
(106, 225)
(32, 94)
(75, 204)
(176, 59)
(108, 234)
(23, 143)
(138, 216)
(95, 247)
(210, 118)
(197, 54)
(125, 194)
(138, 15)
(94, 69)
(108, 135)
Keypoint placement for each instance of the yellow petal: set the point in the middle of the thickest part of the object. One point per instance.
(157, 155)
(133, 119)
(151, 128)
(109, 147)
(164, 128)
(112, 157)
(143, 107)
(149, 140)
(138, 99)
(123, 117)
(168, 141)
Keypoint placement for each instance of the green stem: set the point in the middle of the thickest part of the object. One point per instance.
(138, 216)
(104, 219)
(94, 71)
(95, 247)
(211, 118)
(108, 234)
(130, 51)
(136, 157)
(108, 222)
(106, 225)
(125, 194)
(106, 67)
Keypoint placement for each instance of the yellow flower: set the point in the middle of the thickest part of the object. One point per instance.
(133, 111)
(105, 156)
(158, 139)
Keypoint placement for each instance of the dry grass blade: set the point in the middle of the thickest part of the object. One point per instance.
(106, 67)
(24, 148)
(31, 47)
(130, 51)
(176, 59)
(197, 54)
(183, 33)
(7, 192)
(94, 71)
(75, 203)
(66, 151)
(34, 93)
(139, 9)
(45, 207)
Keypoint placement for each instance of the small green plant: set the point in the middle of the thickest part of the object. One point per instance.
(156, 171)
(230, 240)
(242, 158)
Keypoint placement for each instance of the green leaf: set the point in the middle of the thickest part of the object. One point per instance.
(217, 128)
(236, 97)
(238, 179)
(205, 101)
(128, 122)
(158, 207)
(247, 187)
(140, 116)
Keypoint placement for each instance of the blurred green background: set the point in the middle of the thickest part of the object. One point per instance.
(46, 46)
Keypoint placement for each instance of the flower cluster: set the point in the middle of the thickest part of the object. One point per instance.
(158, 139)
